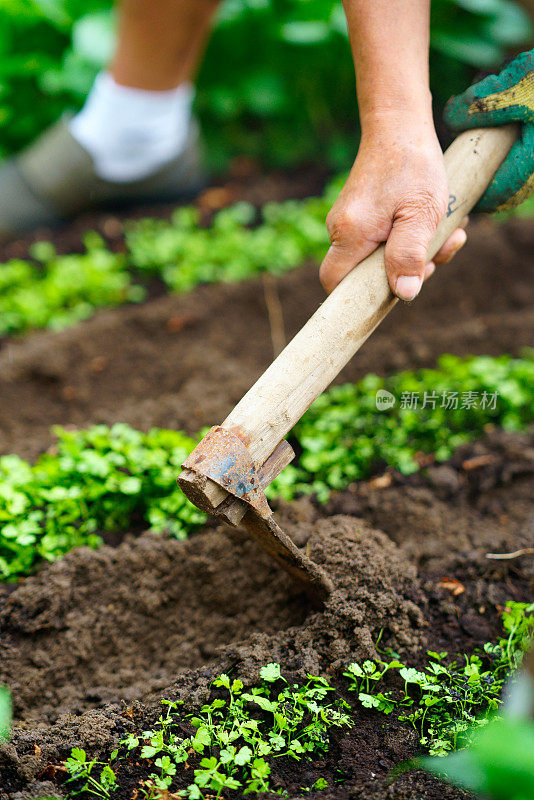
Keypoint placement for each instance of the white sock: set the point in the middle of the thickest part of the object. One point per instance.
(131, 133)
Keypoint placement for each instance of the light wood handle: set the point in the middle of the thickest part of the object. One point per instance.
(321, 349)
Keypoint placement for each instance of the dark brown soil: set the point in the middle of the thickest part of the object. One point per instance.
(90, 644)
(183, 362)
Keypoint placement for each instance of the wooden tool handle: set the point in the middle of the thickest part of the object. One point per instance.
(316, 355)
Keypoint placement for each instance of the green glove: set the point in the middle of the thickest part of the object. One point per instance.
(497, 100)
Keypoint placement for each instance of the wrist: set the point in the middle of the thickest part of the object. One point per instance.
(387, 125)
(393, 89)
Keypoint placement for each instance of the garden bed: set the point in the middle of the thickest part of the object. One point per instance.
(90, 643)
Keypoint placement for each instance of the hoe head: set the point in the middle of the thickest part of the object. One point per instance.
(220, 478)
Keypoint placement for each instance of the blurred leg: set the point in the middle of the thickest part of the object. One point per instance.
(160, 43)
(137, 118)
(134, 139)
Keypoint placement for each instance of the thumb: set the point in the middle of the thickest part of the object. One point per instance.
(406, 256)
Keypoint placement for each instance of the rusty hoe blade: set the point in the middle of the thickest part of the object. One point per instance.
(221, 478)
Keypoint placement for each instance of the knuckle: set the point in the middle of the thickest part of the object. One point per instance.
(423, 205)
(350, 226)
(340, 225)
(410, 258)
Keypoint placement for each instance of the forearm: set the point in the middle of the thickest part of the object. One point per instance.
(390, 41)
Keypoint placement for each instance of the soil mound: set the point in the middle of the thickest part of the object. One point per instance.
(120, 624)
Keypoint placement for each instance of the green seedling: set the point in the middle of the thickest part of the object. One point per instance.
(89, 777)
(445, 698)
(238, 734)
(498, 762)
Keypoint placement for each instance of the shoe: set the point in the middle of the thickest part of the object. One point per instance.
(54, 179)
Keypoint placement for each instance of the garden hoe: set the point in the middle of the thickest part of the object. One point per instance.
(226, 474)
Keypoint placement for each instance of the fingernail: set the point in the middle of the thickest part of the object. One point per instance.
(408, 287)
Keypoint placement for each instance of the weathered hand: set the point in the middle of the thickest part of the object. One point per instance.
(396, 193)
(497, 100)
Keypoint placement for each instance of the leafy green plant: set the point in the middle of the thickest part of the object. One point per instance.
(237, 245)
(238, 734)
(62, 290)
(100, 479)
(240, 243)
(498, 762)
(445, 698)
(95, 480)
(233, 741)
(345, 437)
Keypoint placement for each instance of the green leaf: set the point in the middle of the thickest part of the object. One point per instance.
(263, 702)
(5, 713)
(270, 672)
(201, 739)
(499, 762)
(243, 756)
(78, 754)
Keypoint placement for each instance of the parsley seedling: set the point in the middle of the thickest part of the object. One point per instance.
(82, 774)
(443, 699)
(239, 733)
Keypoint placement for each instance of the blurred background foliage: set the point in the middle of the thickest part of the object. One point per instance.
(277, 81)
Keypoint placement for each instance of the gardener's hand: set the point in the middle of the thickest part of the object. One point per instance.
(496, 100)
(396, 193)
